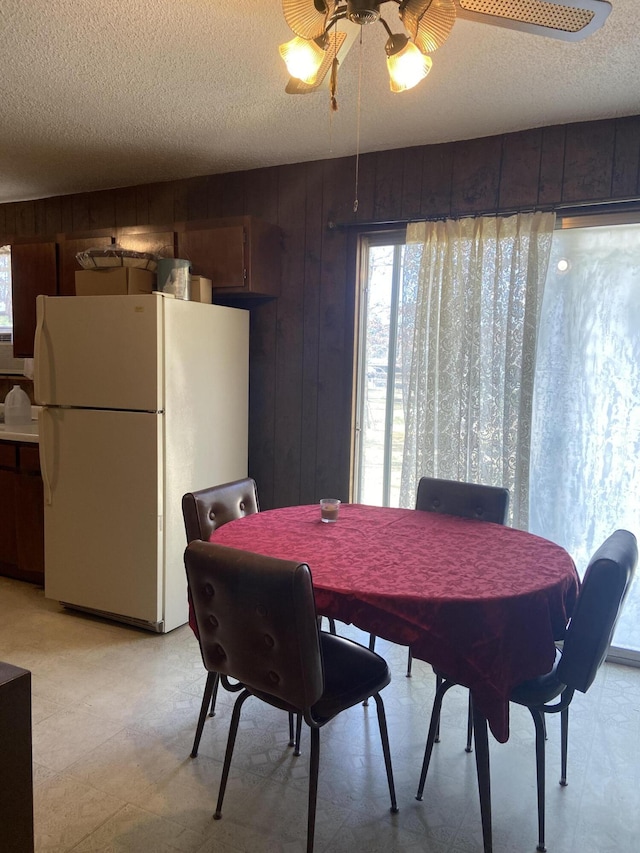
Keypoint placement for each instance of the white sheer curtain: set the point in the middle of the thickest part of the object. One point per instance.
(468, 377)
(585, 468)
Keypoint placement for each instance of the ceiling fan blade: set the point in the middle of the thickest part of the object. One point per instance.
(569, 20)
(305, 18)
(429, 22)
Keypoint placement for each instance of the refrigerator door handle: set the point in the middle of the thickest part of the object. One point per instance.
(45, 416)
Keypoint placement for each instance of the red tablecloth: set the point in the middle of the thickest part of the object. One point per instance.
(481, 602)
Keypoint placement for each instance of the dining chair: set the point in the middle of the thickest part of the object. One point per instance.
(465, 500)
(203, 512)
(257, 623)
(584, 648)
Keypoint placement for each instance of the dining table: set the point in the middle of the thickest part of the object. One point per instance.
(482, 602)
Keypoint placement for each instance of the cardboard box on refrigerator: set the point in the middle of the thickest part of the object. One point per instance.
(200, 289)
(114, 281)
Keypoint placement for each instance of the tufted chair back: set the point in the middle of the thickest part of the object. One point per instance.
(466, 500)
(206, 510)
(256, 619)
(602, 594)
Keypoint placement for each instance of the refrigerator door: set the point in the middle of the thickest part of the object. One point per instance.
(206, 370)
(103, 482)
(99, 352)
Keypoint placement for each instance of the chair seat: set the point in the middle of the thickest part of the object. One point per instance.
(351, 674)
(533, 693)
(538, 691)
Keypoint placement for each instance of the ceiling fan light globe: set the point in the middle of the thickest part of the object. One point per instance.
(407, 67)
(303, 59)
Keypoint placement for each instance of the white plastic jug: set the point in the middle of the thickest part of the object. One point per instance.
(17, 407)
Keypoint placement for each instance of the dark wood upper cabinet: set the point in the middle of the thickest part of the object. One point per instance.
(33, 271)
(241, 255)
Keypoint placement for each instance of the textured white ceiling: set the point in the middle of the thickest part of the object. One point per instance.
(107, 93)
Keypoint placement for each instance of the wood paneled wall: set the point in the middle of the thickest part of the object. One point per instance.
(302, 343)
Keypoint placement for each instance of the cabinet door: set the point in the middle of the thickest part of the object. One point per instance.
(67, 263)
(216, 253)
(8, 545)
(33, 271)
(30, 515)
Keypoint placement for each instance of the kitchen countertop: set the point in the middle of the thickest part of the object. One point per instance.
(29, 432)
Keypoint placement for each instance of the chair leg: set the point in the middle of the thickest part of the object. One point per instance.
(233, 731)
(291, 738)
(332, 625)
(538, 719)
(210, 691)
(481, 738)
(314, 764)
(409, 663)
(214, 696)
(433, 728)
(372, 646)
(384, 737)
(469, 725)
(564, 741)
(296, 750)
(437, 734)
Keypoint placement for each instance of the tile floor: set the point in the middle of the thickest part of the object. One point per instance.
(114, 712)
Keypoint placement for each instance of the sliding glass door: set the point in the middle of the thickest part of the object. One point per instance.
(585, 459)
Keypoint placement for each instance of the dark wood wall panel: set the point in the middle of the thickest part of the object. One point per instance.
(551, 165)
(334, 330)
(366, 190)
(53, 216)
(588, 169)
(520, 173)
(313, 243)
(476, 175)
(26, 219)
(437, 175)
(81, 213)
(388, 188)
(124, 203)
(411, 198)
(10, 217)
(302, 343)
(261, 197)
(626, 157)
(290, 336)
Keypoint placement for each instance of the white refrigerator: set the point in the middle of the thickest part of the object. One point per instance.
(144, 398)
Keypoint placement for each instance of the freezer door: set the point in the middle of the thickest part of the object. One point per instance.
(103, 511)
(99, 352)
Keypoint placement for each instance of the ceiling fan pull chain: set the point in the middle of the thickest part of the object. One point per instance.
(355, 200)
(333, 84)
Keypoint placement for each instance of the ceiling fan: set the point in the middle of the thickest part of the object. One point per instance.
(325, 29)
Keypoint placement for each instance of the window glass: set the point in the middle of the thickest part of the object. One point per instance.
(6, 310)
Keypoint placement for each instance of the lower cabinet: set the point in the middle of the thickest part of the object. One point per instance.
(22, 512)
